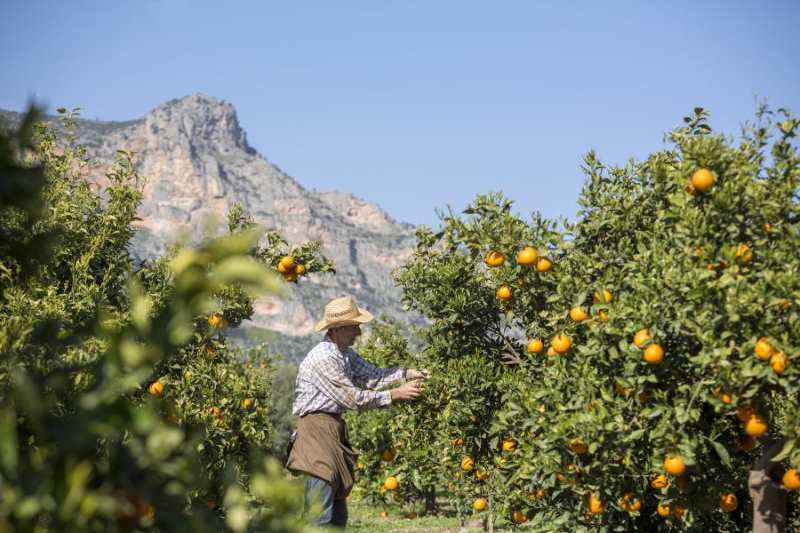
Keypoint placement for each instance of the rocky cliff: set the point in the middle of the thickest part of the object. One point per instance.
(197, 163)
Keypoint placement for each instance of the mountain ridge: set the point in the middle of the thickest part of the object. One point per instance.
(197, 163)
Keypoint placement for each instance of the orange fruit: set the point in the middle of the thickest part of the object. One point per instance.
(481, 475)
(603, 315)
(791, 479)
(479, 504)
(663, 509)
(756, 426)
(595, 504)
(728, 502)
(578, 314)
(215, 320)
(778, 362)
(543, 264)
(703, 180)
(509, 445)
(458, 441)
(300, 269)
(467, 463)
(578, 446)
(603, 297)
(641, 337)
(519, 517)
(630, 503)
(743, 254)
(527, 256)
(156, 388)
(561, 343)
(535, 346)
(674, 464)
(286, 264)
(503, 293)
(247, 402)
(390, 483)
(763, 349)
(724, 396)
(654, 354)
(495, 259)
(551, 351)
(388, 455)
(659, 482)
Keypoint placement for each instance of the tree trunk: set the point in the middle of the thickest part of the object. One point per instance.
(769, 497)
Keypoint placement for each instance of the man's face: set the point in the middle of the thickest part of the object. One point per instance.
(345, 335)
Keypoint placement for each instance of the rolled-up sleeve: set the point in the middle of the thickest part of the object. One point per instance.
(334, 383)
(369, 376)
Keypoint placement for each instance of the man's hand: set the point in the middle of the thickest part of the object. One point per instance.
(406, 391)
(413, 373)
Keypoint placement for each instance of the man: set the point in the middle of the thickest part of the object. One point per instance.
(331, 379)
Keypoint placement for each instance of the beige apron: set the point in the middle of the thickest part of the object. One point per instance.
(321, 449)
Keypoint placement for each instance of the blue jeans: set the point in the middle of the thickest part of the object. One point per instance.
(334, 512)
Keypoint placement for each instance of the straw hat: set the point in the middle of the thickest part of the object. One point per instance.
(343, 312)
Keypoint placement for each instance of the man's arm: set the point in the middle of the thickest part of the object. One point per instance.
(369, 376)
(331, 380)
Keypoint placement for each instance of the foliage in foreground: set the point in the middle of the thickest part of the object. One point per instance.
(121, 406)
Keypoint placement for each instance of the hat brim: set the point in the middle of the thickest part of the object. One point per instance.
(363, 317)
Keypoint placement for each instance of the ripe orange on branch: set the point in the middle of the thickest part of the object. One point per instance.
(215, 320)
(674, 464)
(578, 314)
(756, 425)
(728, 502)
(561, 343)
(703, 180)
(495, 259)
(156, 388)
(535, 346)
(503, 293)
(527, 256)
(763, 349)
(509, 445)
(791, 479)
(654, 354)
(390, 483)
(595, 504)
(603, 296)
(778, 362)
(467, 463)
(543, 264)
(641, 337)
(479, 504)
(519, 517)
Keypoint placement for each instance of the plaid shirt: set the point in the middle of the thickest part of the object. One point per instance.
(333, 381)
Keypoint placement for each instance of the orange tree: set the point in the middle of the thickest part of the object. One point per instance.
(649, 359)
(106, 371)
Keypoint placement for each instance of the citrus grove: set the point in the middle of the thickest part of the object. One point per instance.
(622, 372)
(122, 405)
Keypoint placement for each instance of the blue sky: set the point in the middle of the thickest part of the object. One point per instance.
(416, 105)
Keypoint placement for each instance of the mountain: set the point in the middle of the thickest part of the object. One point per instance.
(197, 162)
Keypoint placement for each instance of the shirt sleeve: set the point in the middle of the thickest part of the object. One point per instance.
(334, 383)
(369, 376)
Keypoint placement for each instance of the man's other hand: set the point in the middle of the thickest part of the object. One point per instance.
(413, 373)
(407, 391)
